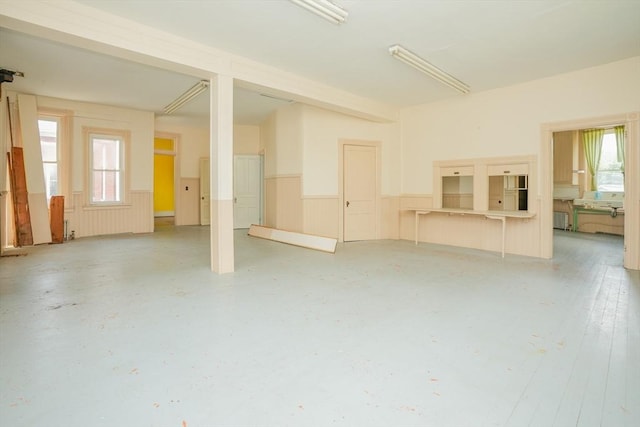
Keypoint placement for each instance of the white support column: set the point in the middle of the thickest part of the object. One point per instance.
(221, 174)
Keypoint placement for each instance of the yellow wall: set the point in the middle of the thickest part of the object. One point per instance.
(163, 197)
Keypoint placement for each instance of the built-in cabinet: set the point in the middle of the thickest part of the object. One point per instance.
(484, 184)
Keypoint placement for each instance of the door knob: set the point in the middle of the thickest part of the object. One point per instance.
(347, 203)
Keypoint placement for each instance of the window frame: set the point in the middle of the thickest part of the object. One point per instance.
(63, 148)
(123, 138)
(58, 151)
(609, 134)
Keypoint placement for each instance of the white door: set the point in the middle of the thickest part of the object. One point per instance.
(360, 192)
(247, 190)
(205, 192)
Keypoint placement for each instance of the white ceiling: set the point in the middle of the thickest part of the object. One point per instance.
(486, 44)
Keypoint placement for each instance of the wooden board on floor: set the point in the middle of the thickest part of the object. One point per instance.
(325, 244)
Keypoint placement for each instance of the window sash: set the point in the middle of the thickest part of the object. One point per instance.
(106, 172)
(610, 176)
(49, 129)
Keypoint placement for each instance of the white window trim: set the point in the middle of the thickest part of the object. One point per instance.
(63, 117)
(609, 132)
(58, 121)
(125, 137)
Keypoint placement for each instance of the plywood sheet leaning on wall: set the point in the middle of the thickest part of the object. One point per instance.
(325, 244)
(56, 218)
(38, 212)
(20, 199)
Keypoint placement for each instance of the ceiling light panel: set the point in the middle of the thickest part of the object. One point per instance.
(180, 101)
(432, 71)
(324, 9)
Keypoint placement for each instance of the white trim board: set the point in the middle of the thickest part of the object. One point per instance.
(325, 244)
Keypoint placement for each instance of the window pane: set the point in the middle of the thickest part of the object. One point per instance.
(106, 153)
(48, 130)
(51, 179)
(106, 186)
(609, 175)
(49, 151)
(107, 176)
(610, 181)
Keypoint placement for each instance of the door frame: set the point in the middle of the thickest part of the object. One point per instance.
(631, 122)
(176, 167)
(363, 143)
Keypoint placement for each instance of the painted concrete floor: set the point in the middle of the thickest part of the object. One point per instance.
(136, 331)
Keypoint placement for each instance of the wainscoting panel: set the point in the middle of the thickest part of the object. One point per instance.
(270, 202)
(136, 217)
(390, 218)
(283, 200)
(188, 209)
(407, 218)
(321, 216)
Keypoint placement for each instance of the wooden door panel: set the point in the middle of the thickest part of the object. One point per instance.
(247, 189)
(360, 192)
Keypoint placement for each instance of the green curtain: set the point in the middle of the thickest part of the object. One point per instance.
(592, 142)
(620, 143)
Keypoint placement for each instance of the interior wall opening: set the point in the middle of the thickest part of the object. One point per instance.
(588, 182)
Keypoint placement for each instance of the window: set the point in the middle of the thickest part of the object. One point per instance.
(106, 174)
(609, 175)
(49, 128)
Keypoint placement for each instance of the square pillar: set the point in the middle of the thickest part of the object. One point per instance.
(221, 174)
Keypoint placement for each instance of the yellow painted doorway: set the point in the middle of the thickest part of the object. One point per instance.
(163, 178)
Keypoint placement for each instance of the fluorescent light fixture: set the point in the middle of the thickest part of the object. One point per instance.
(180, 101)
(420, 64)
(325, 9)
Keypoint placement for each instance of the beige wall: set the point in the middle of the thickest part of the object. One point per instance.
(194, 142)
(301, 146)
(323, 129)
(510, 122)
(281, 140)
(140, 124)
(136, 214)
(194, 145)
(246, 139)
(507, 121)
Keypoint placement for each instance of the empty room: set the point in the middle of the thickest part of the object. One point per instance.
(314, 212)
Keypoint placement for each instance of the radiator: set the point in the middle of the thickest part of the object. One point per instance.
(561, 220)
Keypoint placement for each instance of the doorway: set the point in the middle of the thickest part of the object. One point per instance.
(164, 179)
(551, 195)
(584, 201)
(360, 190)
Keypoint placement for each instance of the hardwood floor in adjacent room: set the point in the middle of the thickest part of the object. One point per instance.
(136, 330)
